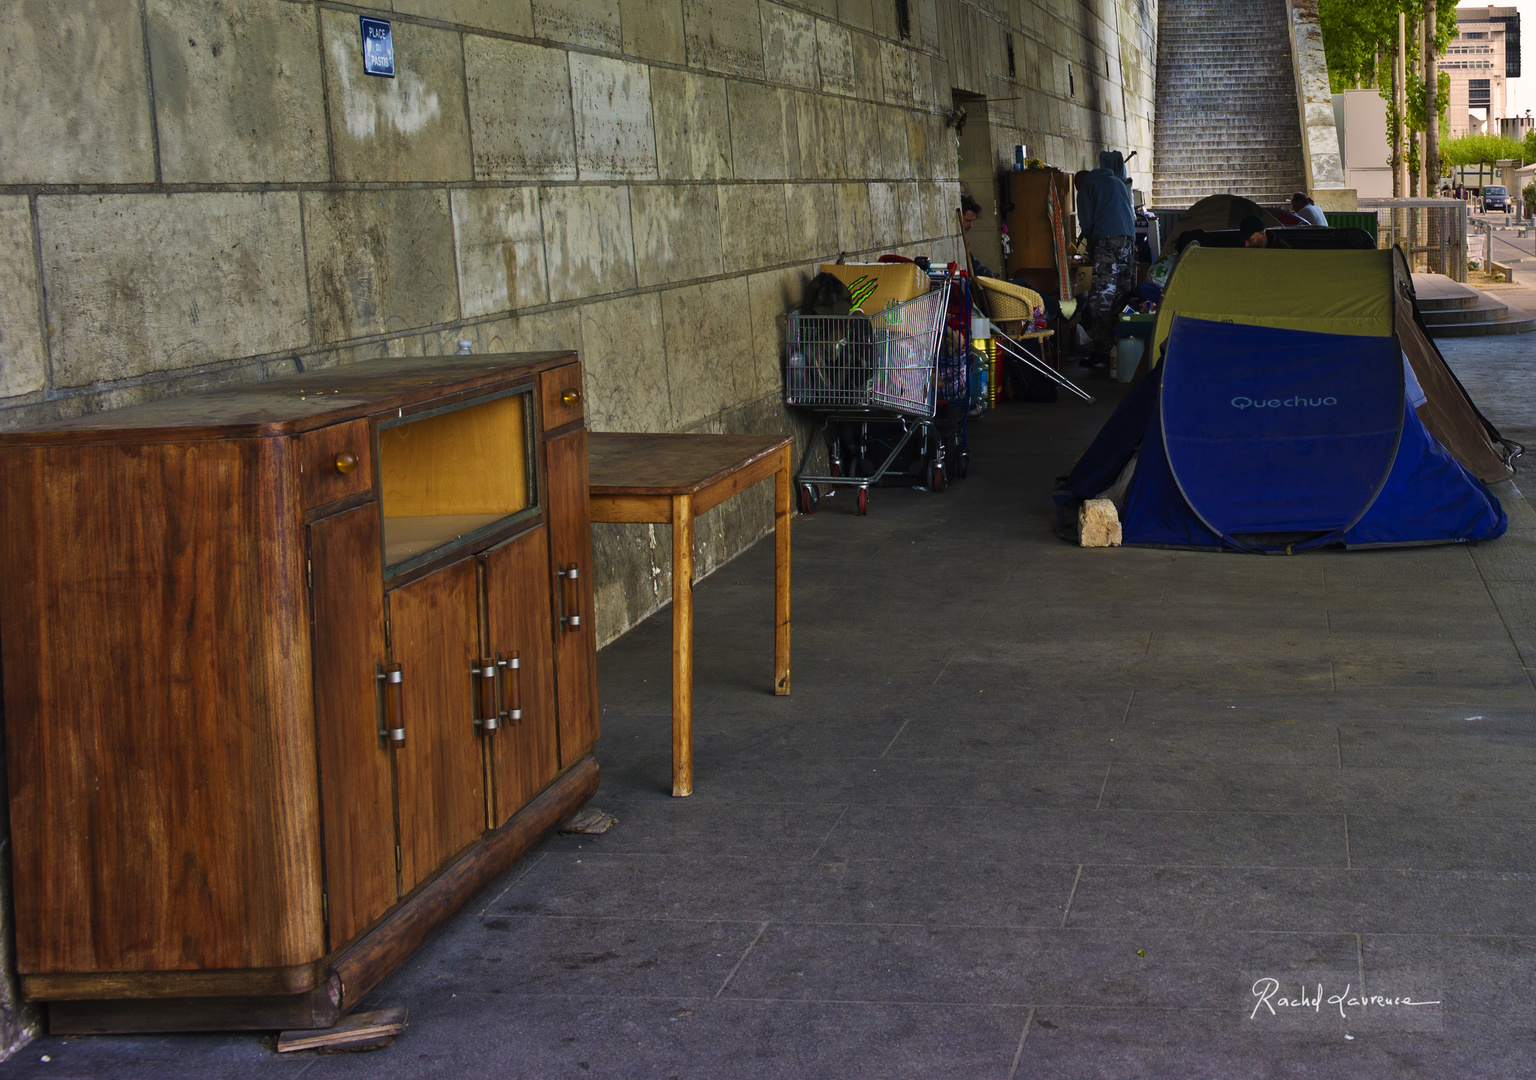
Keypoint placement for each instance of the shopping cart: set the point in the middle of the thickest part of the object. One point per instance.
(891, 370)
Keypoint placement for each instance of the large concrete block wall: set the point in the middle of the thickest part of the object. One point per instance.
(197, 193)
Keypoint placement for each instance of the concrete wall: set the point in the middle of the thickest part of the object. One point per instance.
(1324, 162)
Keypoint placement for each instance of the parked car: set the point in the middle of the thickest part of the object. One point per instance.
(1496, 197)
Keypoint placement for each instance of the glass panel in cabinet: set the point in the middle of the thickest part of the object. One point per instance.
(453, 475)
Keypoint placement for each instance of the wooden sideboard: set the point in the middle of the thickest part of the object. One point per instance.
(290, 672)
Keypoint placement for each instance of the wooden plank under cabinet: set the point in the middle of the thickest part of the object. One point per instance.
(357, 797)
(570, 546)
(523, 751)
(434, 634)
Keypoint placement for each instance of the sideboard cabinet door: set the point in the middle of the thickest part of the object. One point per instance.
(356, 791)
(439, 768)
(570, 549)
(522, 750)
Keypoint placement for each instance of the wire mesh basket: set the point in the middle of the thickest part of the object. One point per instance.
(886, 361)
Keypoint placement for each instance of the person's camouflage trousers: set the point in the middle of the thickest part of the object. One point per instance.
(1114, 279)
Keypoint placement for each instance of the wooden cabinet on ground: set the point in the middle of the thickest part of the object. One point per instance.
(1029, 225)
(290, 672)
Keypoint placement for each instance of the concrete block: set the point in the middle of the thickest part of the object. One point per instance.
(896, 73)
(140, 283)
(770, 295)
(534, 333)
(834, 57)
(706, 326)
(677, 232)
(503, 16)
(858, 13)
(74, 94)
(23, 361)
(238, 96)
(653, 29)
(614, 137)
(789, 117)
(861, 139)
(379, 261)
(812, 213)
(499, 245)
(932, 209)
(588, 241)
(885, 230)
(757, 132)
(918, 165)
(909, 213)
(624, 362)
(753, 228)
(789, 47)
(692, 126)
(925, 24)
(943, 99)
(894, 161)
(819, 130)
(867, 77)
(853, 222)
(520, 110)
(411, 127)
(590, 23)
(1098, 524)
(724, 35)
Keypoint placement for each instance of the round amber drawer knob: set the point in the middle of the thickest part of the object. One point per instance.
(346, 461)
(569, 396)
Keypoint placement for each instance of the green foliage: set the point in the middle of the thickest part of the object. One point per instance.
(1479, 150)
(1529, 195)
(1528, 151)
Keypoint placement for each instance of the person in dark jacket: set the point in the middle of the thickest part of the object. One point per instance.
(1107, 221)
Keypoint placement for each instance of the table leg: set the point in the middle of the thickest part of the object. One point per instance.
(682, 645)
(783, 506)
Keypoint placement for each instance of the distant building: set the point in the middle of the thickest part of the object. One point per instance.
(1484, 54)
(1515, 127)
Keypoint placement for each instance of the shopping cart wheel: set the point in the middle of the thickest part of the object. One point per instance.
(937, 481)
(810, 499)
(964, 466)
(863, 501)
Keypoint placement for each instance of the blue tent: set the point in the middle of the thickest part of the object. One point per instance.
(1260, 438)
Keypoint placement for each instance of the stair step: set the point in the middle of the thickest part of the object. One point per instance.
(1483, 308)
(1523, 324)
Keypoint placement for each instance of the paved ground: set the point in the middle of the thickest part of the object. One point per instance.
(1031, 811)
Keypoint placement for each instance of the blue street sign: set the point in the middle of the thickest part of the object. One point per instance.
(378, 47)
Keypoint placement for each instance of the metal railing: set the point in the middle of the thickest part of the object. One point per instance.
(1431, 232)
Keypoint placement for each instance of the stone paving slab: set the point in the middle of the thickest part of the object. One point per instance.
(1030, 811)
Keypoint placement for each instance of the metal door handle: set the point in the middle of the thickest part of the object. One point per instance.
(570, 612)
(392, 679)
(509, 690)
(486, 714)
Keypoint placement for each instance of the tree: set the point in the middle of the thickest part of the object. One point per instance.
(1481, 150)
(1528, 148)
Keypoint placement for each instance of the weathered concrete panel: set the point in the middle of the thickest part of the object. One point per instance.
(752, 226)
(885, 230)
(789, 47)
(504, 16)
(853, 222)
(588, 242)
(520, 110)
(909, 213)
(757, 131)
(23, 363)
(693, 128)
(411, 127)
(866, 67)
(592, 23)
(499, 244)
(894, 160)
(140, 283)
(677, 232)
(379, 261)
(771, 295)
(858, 13)
(834, 57)
(614, 138)
(724, 35)
(701, 373)
(918, 165)
(896, 73)
(238, 96)
(624, 360)
(812, 213)
(653, 29)
(819, 128)
(74, 94)
(861, 138)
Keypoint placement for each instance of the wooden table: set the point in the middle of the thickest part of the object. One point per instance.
(668, 479)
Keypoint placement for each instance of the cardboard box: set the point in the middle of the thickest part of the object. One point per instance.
(876, 286)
